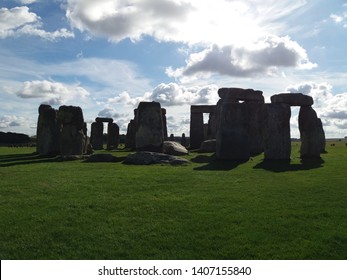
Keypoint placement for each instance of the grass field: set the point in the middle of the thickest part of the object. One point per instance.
(205, 210)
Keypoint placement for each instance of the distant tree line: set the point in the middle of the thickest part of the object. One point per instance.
(13, 138)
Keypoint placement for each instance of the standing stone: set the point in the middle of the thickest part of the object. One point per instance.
(277, 144)
(310, 133)
(321, 136)
(212, 125)
(149, 127)
(184, 140)
(47, 131)
(112, 136)
(172, 137)
(130, 140)
(163, 114)
(96, 137)
(196, 130)
(233, 133)
(255, 127)
(72, 138)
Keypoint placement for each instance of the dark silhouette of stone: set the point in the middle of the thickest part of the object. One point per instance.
(234, 95)
(147, 158)
(277, 144)
(172, 137)
(208, 146)
(212, 125)
(112, 136)
(48, 131)
(174, 148)
(255, 127)
(196, 130)
(149, 127)
(198, 133)
(321, 136)
(102, 120)
(130, 140)
(183, 140)
(310, 133)
(233, 132)
(72, 138)
(163, 114)
(101, 158)
(96, 136)
(292, 99)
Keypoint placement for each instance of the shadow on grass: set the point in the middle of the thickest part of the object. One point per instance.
(215, 164)
(285, 165)
(22, 159)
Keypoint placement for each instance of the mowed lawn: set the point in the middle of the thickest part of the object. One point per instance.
(208, 209)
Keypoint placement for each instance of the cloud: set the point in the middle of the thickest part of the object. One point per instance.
(27, 2)
(120, 119)
(331, 108)
(11, 121)
(181, 20)
(52, 93)
(340, 18)
(171, 94)
(20, 21)
(264, 57)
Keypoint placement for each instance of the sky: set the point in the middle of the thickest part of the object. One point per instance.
(106, 56)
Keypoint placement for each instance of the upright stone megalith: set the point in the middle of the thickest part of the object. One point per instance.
(233, 133)
(112, 136)
(310, 133)
(149, 127)
(130, 140)
(48, 130)
(277, 144)
(96, 135)
(72, 138)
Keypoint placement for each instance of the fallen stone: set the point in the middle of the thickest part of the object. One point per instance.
(147, 158)
(292, 99)
(101, 158)
(174, 148)
(208, 146)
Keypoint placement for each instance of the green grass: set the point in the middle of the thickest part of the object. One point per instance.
(51, 209)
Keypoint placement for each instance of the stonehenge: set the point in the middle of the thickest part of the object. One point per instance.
(244, 126)
(97, 134)
(240, 125)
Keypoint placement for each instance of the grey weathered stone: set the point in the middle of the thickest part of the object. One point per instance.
(112, 136)
(96, 136)
(72, 138)
(163, 115)
(183, 140)
(130, 140)
(174, 148)
(101, 158)
(321, 136)
(310, 133)
(255, 126)
(277, 144)
(233, 133)
(149, 127)
(292, 99)
(212, 125)
(48, 129)
(146, 158)
(196, 130)
(240, 94)
(208, 146)
(102, 120)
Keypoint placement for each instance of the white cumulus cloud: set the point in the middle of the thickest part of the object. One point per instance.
(53, 93)
(20, 21)
(264, 57)
(330, 107)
